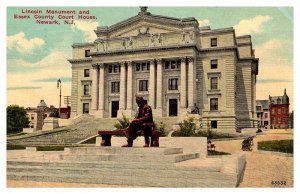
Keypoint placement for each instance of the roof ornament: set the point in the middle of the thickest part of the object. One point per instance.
(143, 10)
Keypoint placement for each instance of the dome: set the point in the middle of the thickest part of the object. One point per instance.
(42, 104)
(285, 98)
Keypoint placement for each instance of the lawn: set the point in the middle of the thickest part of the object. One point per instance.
(285, 146)
(214, 153)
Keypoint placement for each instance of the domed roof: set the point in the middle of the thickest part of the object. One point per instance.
(42, 104)
(285, 98)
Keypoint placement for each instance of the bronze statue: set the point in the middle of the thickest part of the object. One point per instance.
(143, 121)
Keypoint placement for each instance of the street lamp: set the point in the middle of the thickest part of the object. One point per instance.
(59, 86)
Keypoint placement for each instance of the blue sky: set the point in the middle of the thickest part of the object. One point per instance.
(37, 54)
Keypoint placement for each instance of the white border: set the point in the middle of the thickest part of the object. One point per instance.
(188, 3)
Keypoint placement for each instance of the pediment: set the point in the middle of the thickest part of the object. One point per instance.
(143, 28)
(146, 24)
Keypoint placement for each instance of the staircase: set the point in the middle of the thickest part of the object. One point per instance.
(82, 128)
(147, 167)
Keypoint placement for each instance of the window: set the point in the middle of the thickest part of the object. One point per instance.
(214, 104)
(279, 111)
(279, 120)
(214, 64)
(214, 124)
(214, 83)
(173, 84)
(273, 111)
(213, 42)
(172, 64)
(258, 108)
(283, 111)
(266, 115)
(143, 85)
(87, 53)
(86, 90)
(86, 108)
(115, 87)
(142, 66)
(86, 73)
(114, 68)
(32, 116)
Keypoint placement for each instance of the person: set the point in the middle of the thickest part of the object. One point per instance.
(143, 121)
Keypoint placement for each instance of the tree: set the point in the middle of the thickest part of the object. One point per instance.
(16, 119)
(54, 113)
(291, 119)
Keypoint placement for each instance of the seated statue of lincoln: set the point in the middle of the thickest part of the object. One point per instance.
(143, 121)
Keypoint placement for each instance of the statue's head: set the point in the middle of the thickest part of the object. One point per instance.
(139, 100)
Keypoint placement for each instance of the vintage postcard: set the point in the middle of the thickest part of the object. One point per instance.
(174, 97)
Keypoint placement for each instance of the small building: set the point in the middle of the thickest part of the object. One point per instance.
(279, 111)
(32, 113)
(263, 113)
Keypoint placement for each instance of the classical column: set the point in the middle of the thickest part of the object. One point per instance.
(152, 85)
(101, 90)
(122, 87)
(95, 87)
(191, 83)
(183, 84)
(159, 85)
(129, 86)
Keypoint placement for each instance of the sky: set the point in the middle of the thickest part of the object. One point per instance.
(37, 54)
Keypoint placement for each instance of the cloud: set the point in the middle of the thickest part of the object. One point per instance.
(204, 22)
(23, 88)
(22, 44)
(63, 79)
(275, 69)
(54, 59)
(251, 26)
(87, 28)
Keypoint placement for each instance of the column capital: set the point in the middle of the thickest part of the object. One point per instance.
(182, 59)
(101, 65)
(95, 65)
(159, 61)
(190, 59)
(152, 61)
(129, 62)
(122, 63)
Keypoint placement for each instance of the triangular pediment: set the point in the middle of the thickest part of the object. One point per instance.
(146, 24)
(142, 28)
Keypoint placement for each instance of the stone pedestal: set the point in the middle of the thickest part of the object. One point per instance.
(50, 123)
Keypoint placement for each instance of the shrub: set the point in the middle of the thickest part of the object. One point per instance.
(214, 153)
(187, 128)
(122, 123)
(161, 129)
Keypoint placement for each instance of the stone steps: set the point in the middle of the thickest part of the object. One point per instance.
(110, 164)
(120, 150)
(134, 179)
(131, 158)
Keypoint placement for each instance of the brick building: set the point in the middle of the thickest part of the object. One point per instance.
(279, 111)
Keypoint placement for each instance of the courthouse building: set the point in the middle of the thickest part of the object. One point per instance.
(174, 64)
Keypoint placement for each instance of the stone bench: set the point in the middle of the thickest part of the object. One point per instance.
(106, 136)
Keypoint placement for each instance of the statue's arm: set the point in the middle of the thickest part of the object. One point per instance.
(145, 117)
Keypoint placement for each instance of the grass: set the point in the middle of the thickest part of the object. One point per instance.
(215, 153)
(50, 148)
(15, 134)
(285, 146)
(15, 147)
(90, 141)
(202, 133)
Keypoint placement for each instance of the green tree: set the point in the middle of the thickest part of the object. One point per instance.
(16, 119)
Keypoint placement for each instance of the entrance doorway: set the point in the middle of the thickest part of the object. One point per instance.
(114, 108)
(173, 110)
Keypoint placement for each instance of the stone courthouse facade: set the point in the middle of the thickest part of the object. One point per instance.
(174, 64)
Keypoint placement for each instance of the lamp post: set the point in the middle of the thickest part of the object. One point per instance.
(59, 86)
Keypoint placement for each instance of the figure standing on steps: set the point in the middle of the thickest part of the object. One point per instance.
(143, 121)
